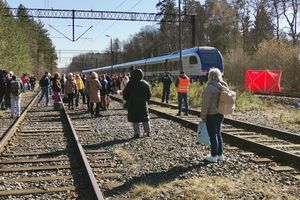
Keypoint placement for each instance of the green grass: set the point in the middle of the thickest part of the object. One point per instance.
(194, 93)
(246, 101)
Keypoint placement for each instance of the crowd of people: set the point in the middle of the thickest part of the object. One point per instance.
(11, 88)
(94, 91)
(72, 88)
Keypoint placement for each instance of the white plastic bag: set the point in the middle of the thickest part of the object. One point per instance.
(202, 134)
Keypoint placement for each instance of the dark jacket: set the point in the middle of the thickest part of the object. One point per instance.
(2, 81)
(137, 93)
(45, 81)
(104, 87)
(167, 81)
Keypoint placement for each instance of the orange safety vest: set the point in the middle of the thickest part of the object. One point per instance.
(183, 85)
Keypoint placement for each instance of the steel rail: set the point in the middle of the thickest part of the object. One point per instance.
(295, 138)
(88, 170)
(260, 149)
(13, 128)
(282, 94)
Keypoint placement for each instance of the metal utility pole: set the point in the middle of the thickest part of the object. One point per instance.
(111, 52)
(193, 22)
(180, 47)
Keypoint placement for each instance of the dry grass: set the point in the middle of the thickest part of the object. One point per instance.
(194, 188)
(124, 155)
(143, 190)
(291, 118)
(287, 115)
(214, 187)
(207, 188)
(265, 189)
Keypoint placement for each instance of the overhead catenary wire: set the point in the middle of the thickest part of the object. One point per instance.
(111, 25)
(124, 1)
(113, 10)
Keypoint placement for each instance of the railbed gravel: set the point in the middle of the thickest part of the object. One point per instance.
(169, 164)
(5, 115)
(279, 108)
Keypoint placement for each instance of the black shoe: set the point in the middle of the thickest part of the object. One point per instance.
(136, 136)
(98, 115)
(148, 134)
(178, 114)
(186, 114)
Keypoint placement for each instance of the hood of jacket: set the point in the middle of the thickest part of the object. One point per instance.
(220, 85)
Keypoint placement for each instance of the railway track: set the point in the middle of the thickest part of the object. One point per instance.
(5, 116)
(106, 166)
(39, 155)
(282, 94)
(274, 144)
(42, 158)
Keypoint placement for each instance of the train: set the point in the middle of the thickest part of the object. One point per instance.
(196, 61)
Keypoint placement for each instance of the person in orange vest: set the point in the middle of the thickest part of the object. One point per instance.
(182, 84)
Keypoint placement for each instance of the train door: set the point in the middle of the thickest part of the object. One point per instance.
(191, 66)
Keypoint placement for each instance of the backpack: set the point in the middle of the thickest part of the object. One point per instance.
(15, 88)
(226, 102)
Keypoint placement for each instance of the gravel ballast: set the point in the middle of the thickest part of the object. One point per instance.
(169, 164)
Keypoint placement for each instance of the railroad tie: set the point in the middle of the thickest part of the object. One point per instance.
(36, 191)
(261, 160)
(281, 168)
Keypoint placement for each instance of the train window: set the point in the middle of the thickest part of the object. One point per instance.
(211, 59)
(193, 60)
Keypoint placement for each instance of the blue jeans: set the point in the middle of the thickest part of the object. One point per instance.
(45, 91)
(213, 124)
(183, 96)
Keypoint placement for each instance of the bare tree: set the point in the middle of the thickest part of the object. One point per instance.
(277, 8)
(291, 18)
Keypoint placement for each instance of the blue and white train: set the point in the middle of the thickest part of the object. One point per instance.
(196, 61)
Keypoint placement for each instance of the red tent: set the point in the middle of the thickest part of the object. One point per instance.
(262, 81)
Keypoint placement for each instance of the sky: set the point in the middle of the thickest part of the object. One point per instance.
(95, 39)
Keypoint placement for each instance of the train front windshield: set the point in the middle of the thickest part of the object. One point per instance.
(209, 59)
